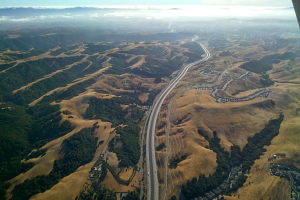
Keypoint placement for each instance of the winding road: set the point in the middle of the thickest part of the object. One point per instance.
(152, 177)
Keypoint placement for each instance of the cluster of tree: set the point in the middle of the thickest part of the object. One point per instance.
(158, 68)
(21, 131)
(219, 43)
(68, 93)
(151, 50)
(256, 144)
(59, 51)
(225, 53)
(173, 198)
(160, 147)
(266, 63)
(28, 71)
(64, 37)
(129, 152)
(15, 124)
(199, 186)
(23, 128)
(92, 48)
(266, 81)
(118, 178)
(253, 150)
(110, 110)
(280, 43)
(35, 154)
(17, 44)
(12, 56)
(77, 150)
(42, 87)
(47, 126)
(132, 196)
(96, 192)
(156, 65)
(7, 65)
(61, 79)
(103, 171)
(35, 39)
(195, 51)
(148, 69)
(67, 36)
(132, 97)
(174, 162)
(118, 64)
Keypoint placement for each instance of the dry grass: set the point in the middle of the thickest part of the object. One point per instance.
(183, 140)
(260, 184)
(126, 173)
(52, 74)
(75, 181)
(111, 184)
(245, 119)
(283, 72)
(144, 97)
(77, 81)
(195, 110)
(43, 165)
(109, 85)
(38, 57)
(140, 62)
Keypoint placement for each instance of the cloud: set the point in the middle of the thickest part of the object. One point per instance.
(271, 3)
(17, 3)
(208, 11)
(161, 12)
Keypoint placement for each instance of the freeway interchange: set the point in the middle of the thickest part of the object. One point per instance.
(152, 176)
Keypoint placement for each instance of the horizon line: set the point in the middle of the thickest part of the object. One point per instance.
(142, 6)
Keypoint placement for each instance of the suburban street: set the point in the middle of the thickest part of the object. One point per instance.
(152, 177)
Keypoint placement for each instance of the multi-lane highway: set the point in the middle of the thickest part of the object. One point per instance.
(152, 178)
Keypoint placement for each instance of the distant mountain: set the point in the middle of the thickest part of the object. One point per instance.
(149, 12)
(44, 11)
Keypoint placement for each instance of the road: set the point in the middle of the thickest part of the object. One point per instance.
(152, 178)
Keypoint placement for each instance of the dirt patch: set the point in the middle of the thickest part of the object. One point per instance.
(144, 97)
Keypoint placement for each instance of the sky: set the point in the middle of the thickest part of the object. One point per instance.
(21, 3)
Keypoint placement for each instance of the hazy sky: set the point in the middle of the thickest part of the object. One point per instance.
(8, 3)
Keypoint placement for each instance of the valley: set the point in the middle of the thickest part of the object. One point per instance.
(77, 88)
(220, 97)
(134, 108)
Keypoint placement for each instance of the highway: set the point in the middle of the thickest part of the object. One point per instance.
(152, 177)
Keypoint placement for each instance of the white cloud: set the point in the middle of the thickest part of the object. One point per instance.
(271, 3)
(208, 11)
